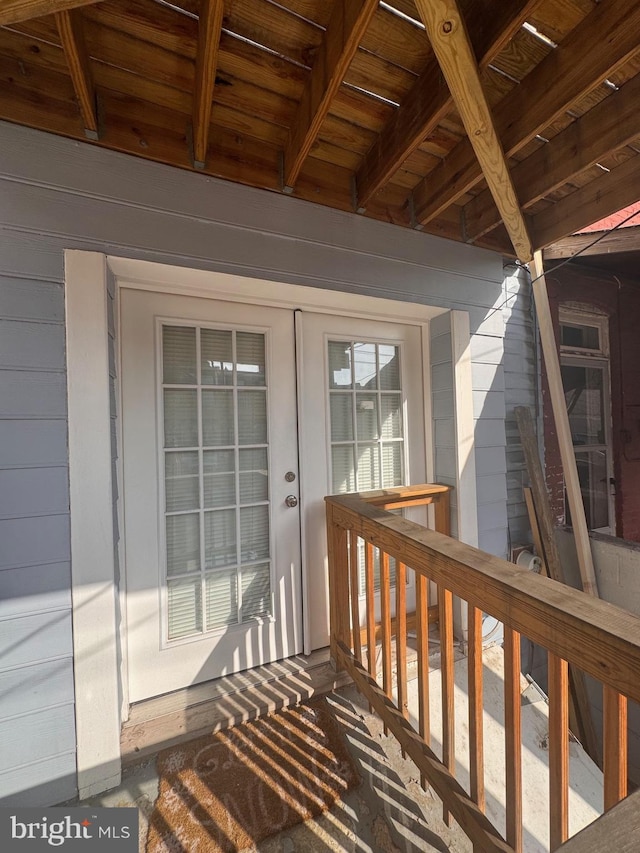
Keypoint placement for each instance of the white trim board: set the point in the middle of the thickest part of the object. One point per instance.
(98, 675)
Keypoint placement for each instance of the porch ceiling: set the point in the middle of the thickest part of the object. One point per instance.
(344, 103)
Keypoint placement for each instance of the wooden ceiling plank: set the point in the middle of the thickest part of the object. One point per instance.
(14, 11)
(347, 24)
(75, 50)
(209, 30)
(625, 239)
(610, 125)
(427, 102)
(600, 43)
(450, 42)
(606, 195)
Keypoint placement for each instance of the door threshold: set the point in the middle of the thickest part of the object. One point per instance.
(163, 721)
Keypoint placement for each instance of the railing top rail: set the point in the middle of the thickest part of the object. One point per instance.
(596, 636)
(400, 494)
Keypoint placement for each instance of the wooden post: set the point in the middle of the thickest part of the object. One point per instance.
(338, 558)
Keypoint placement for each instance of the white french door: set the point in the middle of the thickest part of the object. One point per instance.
(210, 477)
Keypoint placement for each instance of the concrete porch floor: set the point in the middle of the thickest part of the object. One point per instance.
(388, 813)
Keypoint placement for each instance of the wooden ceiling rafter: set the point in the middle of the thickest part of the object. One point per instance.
(348, 22)
(604, 40)
(596, 243)
(209, 31)
(426, 104)
(14, 11)
(609, 126)
(448, 35)
(75, 50)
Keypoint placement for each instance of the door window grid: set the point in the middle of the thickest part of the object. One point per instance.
(366, 424)
(218, 562)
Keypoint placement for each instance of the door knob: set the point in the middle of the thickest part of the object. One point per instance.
(291, 500)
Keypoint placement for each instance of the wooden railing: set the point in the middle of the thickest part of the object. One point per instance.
(574, 628)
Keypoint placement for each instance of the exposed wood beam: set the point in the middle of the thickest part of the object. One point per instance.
(75, 51)
(605, 39)
(448, 36)
(14, 11)
(611, 124)
(347, 25)
(609, 193)
(426, 103)
(209, 29)
(621, 240)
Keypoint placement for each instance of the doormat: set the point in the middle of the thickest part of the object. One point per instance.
(225, 792)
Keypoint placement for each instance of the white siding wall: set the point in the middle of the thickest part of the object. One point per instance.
(57, 194)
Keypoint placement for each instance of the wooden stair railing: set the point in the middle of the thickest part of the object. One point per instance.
(600, 639)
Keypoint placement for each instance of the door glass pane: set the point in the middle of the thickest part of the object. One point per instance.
(389, 358)
(390, 409)
(584, 393)
(391, 465)
(216, 348)
(212, 490)
(183, 544)
(182, 481)
(180, 418)
(219, 474)
(250, 354)
(341, 416)
(179, 355)
(340, 365)
(367, 416)
(343, 469)
(365, 365)
(368, 476)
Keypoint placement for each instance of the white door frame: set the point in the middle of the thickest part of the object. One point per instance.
(101, 702)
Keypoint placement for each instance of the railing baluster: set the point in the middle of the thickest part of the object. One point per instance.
(401, 639)
(385, 627)
(614, 746)
(422, 643)
(476, 727)
(371, 608)
(445, 602)
(513, 737)
(355, 609)
(558, 751)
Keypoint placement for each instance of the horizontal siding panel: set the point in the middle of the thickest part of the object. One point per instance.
(42, 734)
(44, 783)
(491, 488)
(445, 460)
(494, 542)
(490, 460)
(29, 256)
(486, 350)
(26, 394)
(32, 442)
(492, 516)
(28, 639)
(33, 588)
(441, 377)
(488, 404)
(441, 349)
(21, 299)
(444, 433)
(490, 433)
(487, 377)
(32, 541)
(33, 491)
(482, 322)
(33, 688)
(36, 346)
(442, 404)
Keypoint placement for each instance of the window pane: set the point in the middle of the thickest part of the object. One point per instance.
(220, 538)
(365, 365)
(392, 465)
(594, 485)
(256, 592)
(343, 469)
(216, 350)
(219, 478)
(252, 417)
(182, 483)
(221, 590)
(254, 475)
(341, 417)
(390, 415)
(185, 612)
(183, 544)
(368, 468)
(389, 358)
(584, 394)
(179, 355)
(583, 337)
(217, 418)
(251, 360)
(254, 533)
(340, 374)
(180, 418)
(367, 417)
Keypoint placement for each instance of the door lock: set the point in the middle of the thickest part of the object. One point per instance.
(290, 476)
(291, 500)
